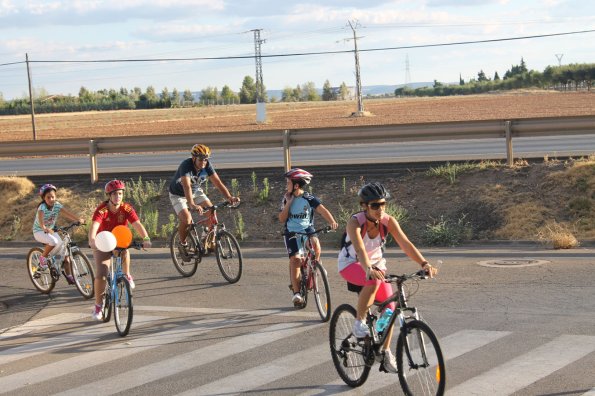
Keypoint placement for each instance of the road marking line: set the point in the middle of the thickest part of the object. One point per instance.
(40, 324)
(227, 311)
(266, 373)
(453, 345)
(190, 360)
(590, 393)
(524, 370)
(55, 343)
(120, 348)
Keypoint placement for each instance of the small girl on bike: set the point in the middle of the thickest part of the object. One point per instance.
(43, 225)
(361, 260)
(297, 214)
(107, 216)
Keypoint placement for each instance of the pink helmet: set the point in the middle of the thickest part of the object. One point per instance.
(45, 188)
(114, 185)
(297, 174)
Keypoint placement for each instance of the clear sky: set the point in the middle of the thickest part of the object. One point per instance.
(156, 29)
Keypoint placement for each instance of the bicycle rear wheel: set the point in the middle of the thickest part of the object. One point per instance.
(123, 306)
(41, 278)
(349, 354)
(229, 256)
(322, 292)
(83, 274)
(185, 268)
(419, 360)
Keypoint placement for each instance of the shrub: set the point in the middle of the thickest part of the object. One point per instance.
(444, 232)
(558, 235)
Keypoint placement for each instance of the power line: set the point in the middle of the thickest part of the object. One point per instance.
(307, 53)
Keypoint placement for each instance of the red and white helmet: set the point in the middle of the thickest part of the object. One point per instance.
(114, 185)
(297, 174)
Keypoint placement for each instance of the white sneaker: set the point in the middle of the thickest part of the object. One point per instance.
(97, 314)
(297, 298)
(389, 362)
(360, 330)
(130, 281)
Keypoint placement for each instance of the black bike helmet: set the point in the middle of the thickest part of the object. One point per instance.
(372, 192)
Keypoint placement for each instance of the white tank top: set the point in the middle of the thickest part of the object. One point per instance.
(373, 247)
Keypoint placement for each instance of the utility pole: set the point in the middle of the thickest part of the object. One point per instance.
(260, 106)
(559, 56)
(31, 97)
(358, 83)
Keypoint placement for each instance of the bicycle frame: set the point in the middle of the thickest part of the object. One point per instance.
(115, 274)
(400, 299)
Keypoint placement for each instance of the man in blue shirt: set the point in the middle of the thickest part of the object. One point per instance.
(297, 214)
(186, 193)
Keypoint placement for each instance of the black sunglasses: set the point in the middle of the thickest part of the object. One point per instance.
(201, 157)
(377, 205)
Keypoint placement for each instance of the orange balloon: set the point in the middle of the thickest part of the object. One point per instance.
(123, 236)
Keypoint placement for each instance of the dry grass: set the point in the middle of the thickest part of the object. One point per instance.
(522, 221)
(558, 236)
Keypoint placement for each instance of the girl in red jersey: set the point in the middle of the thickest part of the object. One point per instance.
(109, 214)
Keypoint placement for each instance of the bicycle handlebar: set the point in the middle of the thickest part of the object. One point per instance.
(223, 205)
(323, 230)
(68, 227)
(134, 245)
(421, 274)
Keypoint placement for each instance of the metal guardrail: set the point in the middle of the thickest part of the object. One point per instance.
(529, 127)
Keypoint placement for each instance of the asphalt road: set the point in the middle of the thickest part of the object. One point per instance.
(554, 146)
(505, 329)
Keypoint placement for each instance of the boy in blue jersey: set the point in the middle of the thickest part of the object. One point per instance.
(297, 213)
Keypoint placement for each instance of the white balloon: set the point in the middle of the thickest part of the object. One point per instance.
(105, 241)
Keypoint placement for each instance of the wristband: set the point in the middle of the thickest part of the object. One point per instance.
(147, 238)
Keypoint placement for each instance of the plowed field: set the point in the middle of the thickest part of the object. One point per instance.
(515, 105)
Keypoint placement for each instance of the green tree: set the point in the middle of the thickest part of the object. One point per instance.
(208, 95)
(188, 97)
(481, 76)
(327, 92)
(496, 76)
(309, 92)
(287, 95)
(165, 98)
(85, 95)
(248, 90)
(175, 98)
(343, 91)
(461, 81)
(228, 95)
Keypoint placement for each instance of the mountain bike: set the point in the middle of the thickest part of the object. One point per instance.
(44, 279)
(215, 238)
(117, 295)
(313, 275)
(420, 362)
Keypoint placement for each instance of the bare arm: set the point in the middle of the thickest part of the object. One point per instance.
(140, 230)
(214, 178)
(284, 213)
(72, 216)
(324, 212)
(187, 186)
(40, 220)
(93, 233)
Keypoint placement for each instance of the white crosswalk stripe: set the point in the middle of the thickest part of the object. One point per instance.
(528, 368)
(58, 342)
(454, 345)
(264, 374)
(253, 330)
(165, 368)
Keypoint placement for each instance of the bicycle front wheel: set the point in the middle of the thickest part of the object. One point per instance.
(185, 268)
(123, 306)
(41, 278)
(83, 274)
(106, 310)
(229, 256)
(349, 354)
(419, 360)
(322, 292)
